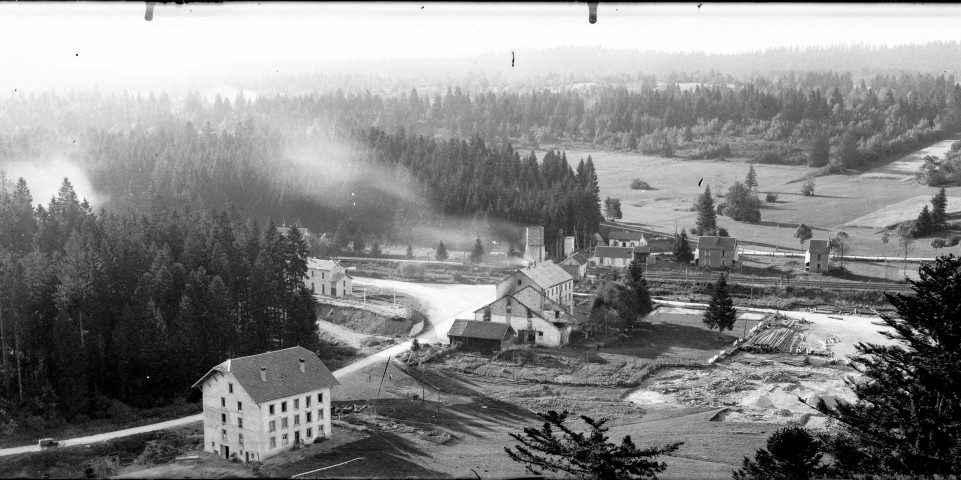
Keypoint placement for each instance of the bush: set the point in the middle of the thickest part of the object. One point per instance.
(638, 184)
(952, 240)
(807, 189)
(771, 198)
(720, 208)
(417, 270)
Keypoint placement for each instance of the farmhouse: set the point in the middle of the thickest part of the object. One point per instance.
(328, 277)
(536, 318)
(816, 258)
(261, 405)
(716, 252)
(547, 277)
(617, 257)
(481, 336)
(576, 266)
(626, 239)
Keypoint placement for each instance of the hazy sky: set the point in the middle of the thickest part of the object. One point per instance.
(88, 41)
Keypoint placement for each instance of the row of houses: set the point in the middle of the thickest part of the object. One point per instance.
(622, 247)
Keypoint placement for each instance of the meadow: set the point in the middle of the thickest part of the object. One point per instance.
(862, 204)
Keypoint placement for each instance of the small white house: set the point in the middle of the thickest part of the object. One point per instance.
(817, 256)
(616, 257)
(328, 278)
(261, 405)
(575, 265)
(623, 238)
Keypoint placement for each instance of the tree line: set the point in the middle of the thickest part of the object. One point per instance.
(135, 306)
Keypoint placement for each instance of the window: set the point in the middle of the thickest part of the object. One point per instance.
(307, 401)
(213, 444)
(271, 409)
(273, 442)
(240, 406)
(310, 433)
(540, 334)
(311, 274)
(296, 419)
(518, 281)
(223, 435)
(296, 403)
(320, 415)
(819, 256)
(230, 388)
(240, 439)
(320, 398)
(283, 439)
(283, 422)
(272, 426)
(308, 417)
(722, 253)
(240, 422)
(223, 402)
(283, 407)
(223, 418)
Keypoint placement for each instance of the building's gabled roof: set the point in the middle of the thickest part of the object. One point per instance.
(543, 303)
(475, 329)
(575, 259)
(546, 274)
(284, 378)
(819, 246)
(625, 236)
(716, 243)
(613, 252)
(322, 264)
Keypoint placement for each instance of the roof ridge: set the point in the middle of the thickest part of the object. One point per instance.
(264, 353)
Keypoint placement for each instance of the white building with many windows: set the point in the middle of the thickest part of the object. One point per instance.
(261, 405)
(328, 278)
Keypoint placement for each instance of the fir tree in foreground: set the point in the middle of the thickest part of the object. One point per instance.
(720, 312)
(792, 453)
(907, 419)
(583, 455)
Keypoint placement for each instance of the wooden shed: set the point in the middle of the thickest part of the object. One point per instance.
(481, 336)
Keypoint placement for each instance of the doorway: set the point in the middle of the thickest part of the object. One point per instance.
(247, 457)
(296, 438)
(225, 450)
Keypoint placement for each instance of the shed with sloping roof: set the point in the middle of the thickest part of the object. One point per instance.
(481, 336)
(817, 258)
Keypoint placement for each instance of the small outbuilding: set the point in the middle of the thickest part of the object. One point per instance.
(481, 336)
(817, 256)
(617, 257)
(575, 265)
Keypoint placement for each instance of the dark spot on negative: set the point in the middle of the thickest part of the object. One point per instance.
(699, 183)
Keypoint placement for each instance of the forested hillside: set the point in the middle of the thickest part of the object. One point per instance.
(135, 306)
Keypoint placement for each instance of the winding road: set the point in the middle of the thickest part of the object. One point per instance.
(443, 303)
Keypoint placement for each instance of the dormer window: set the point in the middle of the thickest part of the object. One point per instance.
(518, 281)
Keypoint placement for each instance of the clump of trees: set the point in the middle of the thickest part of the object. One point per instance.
(612, 209)
(638, 184)
(792, 453)
(742, 204)
(807, 188)
(934, 219)
(556, 448)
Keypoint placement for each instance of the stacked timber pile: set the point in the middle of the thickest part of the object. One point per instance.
(776, 335)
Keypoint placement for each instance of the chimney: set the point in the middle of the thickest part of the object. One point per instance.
(263, 374)
(303, 367)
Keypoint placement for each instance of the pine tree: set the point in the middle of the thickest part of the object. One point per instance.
(907, 418)
(751, 180)
(820, 152)
(477, 254)
(792, 454)
(375, 250)
(584, 455)
(682, 248)
(635, 270)
(441, 253)
(720, 312)
(939, 206)
(410, 252)
(706, 223)
(924, 224)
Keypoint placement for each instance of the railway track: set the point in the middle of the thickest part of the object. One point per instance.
(782, 281)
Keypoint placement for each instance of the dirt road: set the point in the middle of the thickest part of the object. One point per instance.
(443, 303)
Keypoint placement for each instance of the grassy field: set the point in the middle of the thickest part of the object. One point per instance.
(858, 203)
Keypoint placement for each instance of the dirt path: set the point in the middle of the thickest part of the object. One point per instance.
(342, 333)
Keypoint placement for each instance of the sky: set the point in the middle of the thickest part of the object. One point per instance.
(97, 42)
